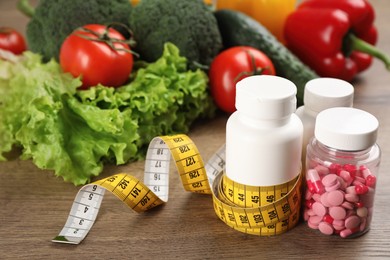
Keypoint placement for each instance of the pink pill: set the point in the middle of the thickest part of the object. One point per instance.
(362, 167)
(366, 172)
(310, 212)
(338, 228)
(362, 212)
(346, 176)
(328, 218)
(335, 168)
(360, 180)
(312, 226)
(339, 222)
(317, 197)
(361, 189)
(335, 198)
(350, 168)
(310, 186)
(371, 181)
(359, 204)
(329, 180)
(325, 228)
(352, 222)
(324, 200)
(343, 184)
(322, 170)
(308, 194)
(334, 187)
(309, 203)
(315, 220)
(347, 205)
(337, 212)
(319, 209)
(350, 190)
(351, 197)
(358, 173)
(314, 182)
(346, 233)
(312, 175)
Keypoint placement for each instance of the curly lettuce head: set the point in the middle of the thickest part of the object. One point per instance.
(75, 132)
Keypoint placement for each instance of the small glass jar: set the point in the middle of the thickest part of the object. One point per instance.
(342, 164)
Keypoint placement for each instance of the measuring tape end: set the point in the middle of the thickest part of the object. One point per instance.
(64, 240)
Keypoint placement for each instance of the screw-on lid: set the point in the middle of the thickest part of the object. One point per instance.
(266, 97)
(346, 128)
(323, 93)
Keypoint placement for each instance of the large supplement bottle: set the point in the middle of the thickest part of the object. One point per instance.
(264, 136)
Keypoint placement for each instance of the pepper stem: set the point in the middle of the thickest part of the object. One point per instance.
(362, 46)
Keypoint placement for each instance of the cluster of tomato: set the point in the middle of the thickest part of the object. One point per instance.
(11, 40)
(100, 54)
(83, 53)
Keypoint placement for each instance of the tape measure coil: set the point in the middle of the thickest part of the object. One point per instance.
(262, 211)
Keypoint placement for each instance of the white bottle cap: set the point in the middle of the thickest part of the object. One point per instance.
(347, 129)
(266, 97)
(323, 93)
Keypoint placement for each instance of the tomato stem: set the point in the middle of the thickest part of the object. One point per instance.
(107, 39)
(256, 70)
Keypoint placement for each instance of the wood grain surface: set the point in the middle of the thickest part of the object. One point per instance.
(34, 204)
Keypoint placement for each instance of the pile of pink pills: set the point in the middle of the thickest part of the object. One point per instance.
(339, 198)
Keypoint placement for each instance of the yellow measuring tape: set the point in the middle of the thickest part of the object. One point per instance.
(255, 210)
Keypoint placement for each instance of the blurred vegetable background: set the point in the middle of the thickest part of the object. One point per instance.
(182, 60)
(190, 25)
(271, 14)
(73, 132)
(335, 38)
(53, 20)
(11, 40)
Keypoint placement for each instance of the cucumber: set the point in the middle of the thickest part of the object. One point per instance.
(238, 29)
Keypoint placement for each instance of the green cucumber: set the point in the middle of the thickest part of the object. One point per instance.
(238, 29)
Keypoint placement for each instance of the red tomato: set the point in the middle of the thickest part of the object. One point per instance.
(232, 65)
(94, 60)
(11, 40)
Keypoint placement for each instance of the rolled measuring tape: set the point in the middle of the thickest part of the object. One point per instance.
(262, 211)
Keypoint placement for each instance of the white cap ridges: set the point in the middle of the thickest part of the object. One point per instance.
(323, 93)
(347, 129)
(266, 97)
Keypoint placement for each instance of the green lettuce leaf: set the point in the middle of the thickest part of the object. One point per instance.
(75, 132)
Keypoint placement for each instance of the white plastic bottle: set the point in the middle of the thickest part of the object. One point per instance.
(264, 136)
(321, 94)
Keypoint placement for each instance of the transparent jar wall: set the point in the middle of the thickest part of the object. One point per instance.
(340, 189)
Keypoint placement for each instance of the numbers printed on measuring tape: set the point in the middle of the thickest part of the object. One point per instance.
(254, 210)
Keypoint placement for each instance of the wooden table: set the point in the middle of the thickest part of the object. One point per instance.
(34, 204)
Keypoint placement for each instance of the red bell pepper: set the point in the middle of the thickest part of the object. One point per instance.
(335, 38)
